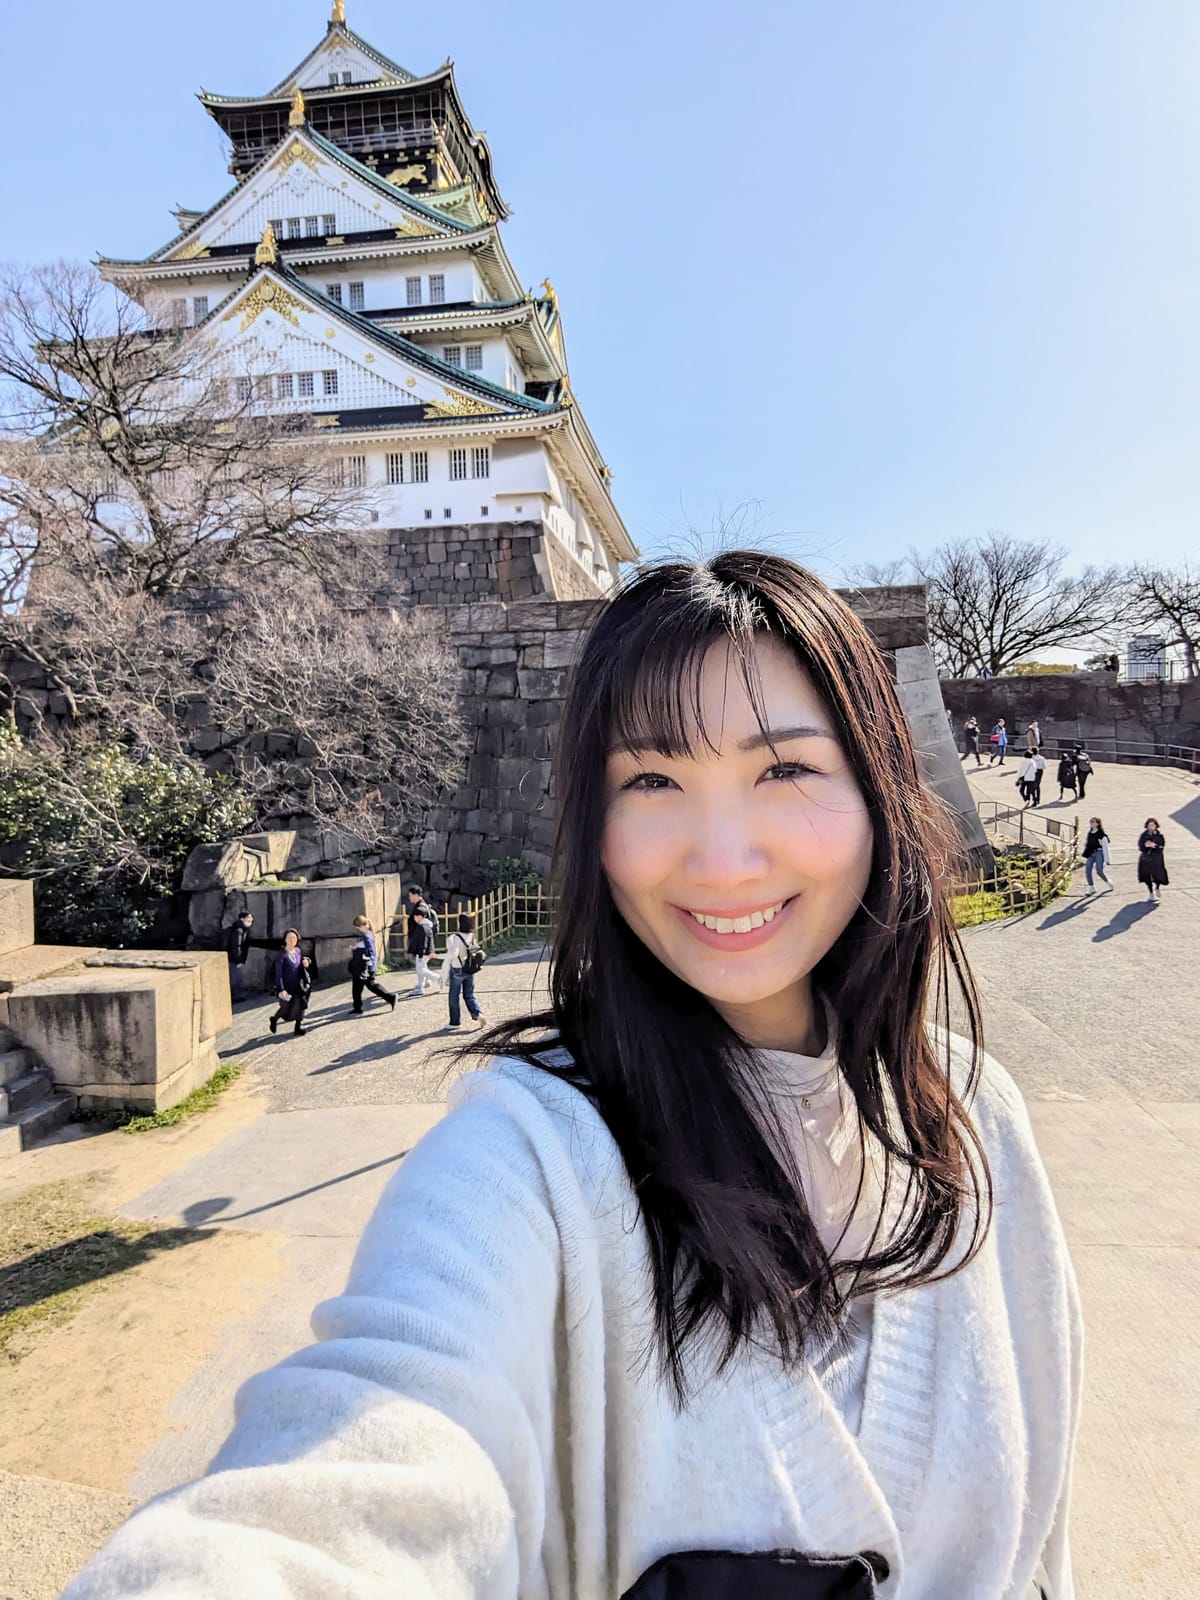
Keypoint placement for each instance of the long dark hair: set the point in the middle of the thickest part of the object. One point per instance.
(734, 1253)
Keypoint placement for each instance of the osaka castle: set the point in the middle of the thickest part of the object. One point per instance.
(355, 272)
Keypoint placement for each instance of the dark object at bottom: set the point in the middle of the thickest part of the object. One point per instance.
(770, 1575)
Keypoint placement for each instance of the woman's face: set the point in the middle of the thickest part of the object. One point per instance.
(740, 868)
(290, 941)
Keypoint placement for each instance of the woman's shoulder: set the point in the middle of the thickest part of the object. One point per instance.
(989, 1094)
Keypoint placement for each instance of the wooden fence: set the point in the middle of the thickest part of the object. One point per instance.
(512, 908)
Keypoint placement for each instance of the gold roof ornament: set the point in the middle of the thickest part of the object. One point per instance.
(551, 292)
(267, 254)
(339, 11)
(296, 115)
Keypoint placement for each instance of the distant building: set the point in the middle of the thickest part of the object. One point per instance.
(355, 273)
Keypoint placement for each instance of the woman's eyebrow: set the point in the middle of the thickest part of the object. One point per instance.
(768, 738)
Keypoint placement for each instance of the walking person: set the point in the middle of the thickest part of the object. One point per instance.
(420, 948)
(462, 954)
(1096, 852)
(971, 740)
(1083, 768)
(999, 742)
(293, 984)
(1029, 777)
(1033, 736)
(702, 1287)
(237, 947)
(420, 945)
(364, 964)
(1152, 864)
(1066, 776)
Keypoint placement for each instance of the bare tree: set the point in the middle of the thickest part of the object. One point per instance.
(1168, 600)
(995, 601)
(135, 447)
(345, 719)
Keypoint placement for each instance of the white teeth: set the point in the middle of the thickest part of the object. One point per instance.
(738, 924)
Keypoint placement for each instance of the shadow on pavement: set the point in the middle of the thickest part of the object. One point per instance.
(211, 1210)
(1125, 919)
(1066, 913)
(1188, 816)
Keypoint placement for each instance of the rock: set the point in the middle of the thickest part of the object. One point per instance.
(16, 913)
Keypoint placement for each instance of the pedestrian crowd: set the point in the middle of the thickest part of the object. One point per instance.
(293, 971)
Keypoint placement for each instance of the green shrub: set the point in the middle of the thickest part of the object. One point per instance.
(104, 833)
(511, 870)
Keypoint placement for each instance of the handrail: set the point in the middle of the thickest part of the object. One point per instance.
(1133, 752)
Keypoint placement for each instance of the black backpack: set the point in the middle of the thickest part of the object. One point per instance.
(474, 955)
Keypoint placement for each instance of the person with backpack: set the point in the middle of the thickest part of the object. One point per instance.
(363, 965)
(421, 945)
(1096, 852)
(464, 958)
(1083, 768)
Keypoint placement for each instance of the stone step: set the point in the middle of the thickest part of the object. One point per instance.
(15, 1063)
(35, 1122)
(22, 1092)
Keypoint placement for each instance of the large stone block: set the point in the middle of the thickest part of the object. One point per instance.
(322, 910)
(206, 915)
(112, 1036)
(331, 956)
(16, 914)
(211, 1002)
(224, 865)
(269, 854)
(35, 961)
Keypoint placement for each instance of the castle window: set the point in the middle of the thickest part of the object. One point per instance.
(481, 461)
(305, 384)
(277, 226)
(329, 382)
(312, 227)
(358, 296)
(447, 513)
(333, 78)
(330, 222)
(334, 292)
(428, 513)
(395, 467)
(244, 389)
(452, 353)
(295, 228)
(474, 357)
(347, 77)
(262, 388)
(483, 511)
(458, 464)
(179, 313)
(354, 471)
(199, 308)
(412, 291)
(284, 386)
(419, 468)
(437, 288)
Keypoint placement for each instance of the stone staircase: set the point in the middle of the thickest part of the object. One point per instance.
(30, 1107)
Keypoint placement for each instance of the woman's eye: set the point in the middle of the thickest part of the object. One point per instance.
(789, 771)
(648, 782)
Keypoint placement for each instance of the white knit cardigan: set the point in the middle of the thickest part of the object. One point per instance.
(480, 1419)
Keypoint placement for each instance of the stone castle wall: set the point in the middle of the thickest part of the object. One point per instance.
(1088, 706)
(508, 561)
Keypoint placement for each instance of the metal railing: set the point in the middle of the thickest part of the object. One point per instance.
(1021, 825)
(1135, 753)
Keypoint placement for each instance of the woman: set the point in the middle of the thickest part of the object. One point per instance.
(459, 948)
(293, 985)
(1066, 776)
(1152, 865)
(363, 965)
(971, 740)
(1096, 852)
(699, 1290)
(999, 742)
(1029, 777)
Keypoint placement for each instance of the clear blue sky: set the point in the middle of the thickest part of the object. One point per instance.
(894, 272)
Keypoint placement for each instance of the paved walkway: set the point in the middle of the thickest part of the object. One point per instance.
(1092, 1005)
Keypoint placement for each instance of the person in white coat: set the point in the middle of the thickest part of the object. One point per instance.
(699, 1289)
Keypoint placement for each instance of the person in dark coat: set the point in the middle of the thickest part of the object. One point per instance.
(421, 945)
(1083, 768)
(293, 985)
(971, 740)
(1152, 865)
(364, 964)
(1066, 776)
(237, 948)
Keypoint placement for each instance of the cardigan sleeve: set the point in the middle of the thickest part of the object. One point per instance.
(409, 1452)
